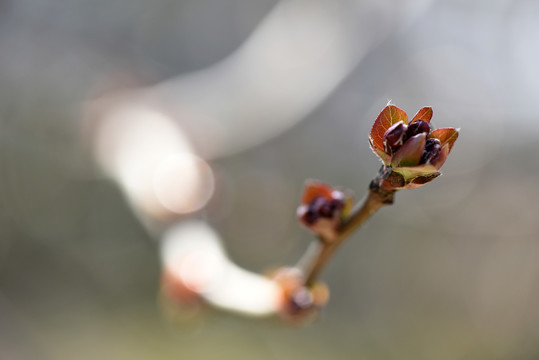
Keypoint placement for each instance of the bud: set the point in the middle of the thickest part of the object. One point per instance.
(410, 153)
(394, 137)
(416, 128)
(329, 208)
(323, 208)
(307, 215)
(299, 303)
(432, 149)
(410, 148)
(320, 207)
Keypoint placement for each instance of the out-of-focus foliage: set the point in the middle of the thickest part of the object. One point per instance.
(453, 274)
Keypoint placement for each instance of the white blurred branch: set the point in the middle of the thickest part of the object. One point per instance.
(193, 255)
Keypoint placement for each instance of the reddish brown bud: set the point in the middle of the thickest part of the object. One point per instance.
(316, 204)
(416, 128)
(307, 215)
(410, 149)
(329, 208)
(323, 208)
(394, 137)
(432, 149)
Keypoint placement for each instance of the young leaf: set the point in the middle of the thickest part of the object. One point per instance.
(409, 154)
(424, 114)
(387, 117)
(380, 153)
(411, 172)
(315, 189)
(446, 136)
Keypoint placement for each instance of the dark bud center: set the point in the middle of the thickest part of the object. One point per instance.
(433, 147)
(310, 216)
(416, 128)
(394, 137)
(327, 208)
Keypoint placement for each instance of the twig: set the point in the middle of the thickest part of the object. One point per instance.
(321, 251)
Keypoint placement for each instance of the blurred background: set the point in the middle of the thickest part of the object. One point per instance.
(264, 94)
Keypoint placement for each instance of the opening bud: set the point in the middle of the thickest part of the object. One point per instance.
(394, 137)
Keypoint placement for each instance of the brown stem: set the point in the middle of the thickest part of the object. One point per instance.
(320, 252)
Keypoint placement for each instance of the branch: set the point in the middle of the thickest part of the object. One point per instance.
(321, 251)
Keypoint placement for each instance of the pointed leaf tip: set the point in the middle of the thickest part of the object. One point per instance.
(446, 136)
(425, 114)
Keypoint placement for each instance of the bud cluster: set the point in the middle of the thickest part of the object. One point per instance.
(321, 207)
(399, 133)
(412, 150)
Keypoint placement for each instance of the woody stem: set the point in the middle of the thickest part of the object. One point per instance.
(321, 251)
